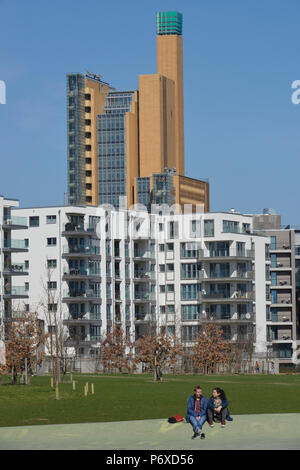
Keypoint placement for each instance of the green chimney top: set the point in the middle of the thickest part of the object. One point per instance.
(169, 22)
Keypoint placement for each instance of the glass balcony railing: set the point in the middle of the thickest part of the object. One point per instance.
(15, 221)
(81, 272)
(15, 244)
(17, 268)
(80, 293)
(93, 250)
(16, 290)
(80, 227)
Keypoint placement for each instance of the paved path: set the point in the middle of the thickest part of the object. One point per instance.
(280, 431)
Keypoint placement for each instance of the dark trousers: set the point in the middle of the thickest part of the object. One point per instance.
(212, 416)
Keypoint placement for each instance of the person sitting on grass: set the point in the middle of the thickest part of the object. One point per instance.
(217, 408)
(196, 410)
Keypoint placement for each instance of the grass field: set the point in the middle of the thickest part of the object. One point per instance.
(135, 397)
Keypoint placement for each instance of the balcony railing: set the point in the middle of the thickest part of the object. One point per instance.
(280, 246)
(143, 254)
(144, 296)
(226, 253)
(15, 244)
(17, 268)
(238, 275)
(93, 250)
(245, 317)
(81, 227)
(16, 290)
(81, 293)
(228, 296)
(22, 221)
(81, 272)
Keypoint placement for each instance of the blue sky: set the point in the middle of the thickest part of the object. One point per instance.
(240, 58)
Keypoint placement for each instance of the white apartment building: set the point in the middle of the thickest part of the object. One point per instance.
(104, 267)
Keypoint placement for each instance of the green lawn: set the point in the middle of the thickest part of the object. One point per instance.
(134, 397)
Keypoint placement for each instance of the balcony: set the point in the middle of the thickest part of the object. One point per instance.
(81, 273)
(280, 266)
(237, 277)
(143, 277)
(143, 318)
(15, 223)
(15, 292)
(227, 297)
(235, 318)
(81, 321)
(81, 251)
(233, 254)
(144, 297)
(16, 269)
(15, 246)
(70, 229)
(80, 295)
(280, 247)
(143, 255)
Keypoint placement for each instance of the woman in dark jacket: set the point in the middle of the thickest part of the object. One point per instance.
(217, 408)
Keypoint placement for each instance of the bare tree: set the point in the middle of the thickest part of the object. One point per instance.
(52, 309)
(210, 349)
(25, 341)
(116, 351)
(157, 351)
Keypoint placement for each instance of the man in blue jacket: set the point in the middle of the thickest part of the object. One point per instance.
(196, 410)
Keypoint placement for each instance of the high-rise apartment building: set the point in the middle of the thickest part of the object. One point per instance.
(86, 96)
(117, 137)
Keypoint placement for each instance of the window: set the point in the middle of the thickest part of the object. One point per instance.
(190, 333)
(170, 246)
(170, 288)
(34, 221)
(190, 291)
(162, 309)
(161, 227)
(188, 250)
(170, 267)
(273, 243)
(246, 228)
(88, 160)
(52, 263)
(190, 312)
(230, 226)
(209, 230)
(26, 242)
(51, 329)
(26, 286)
(26, 264)
(171, 308)
(87, 109)
(189, 271)
(88, 122)
(195, 229)
(162, 268)
(162, 289)
(161, 247)
(51, 241)
(87, 96)
(51, 219)
(52, 285)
